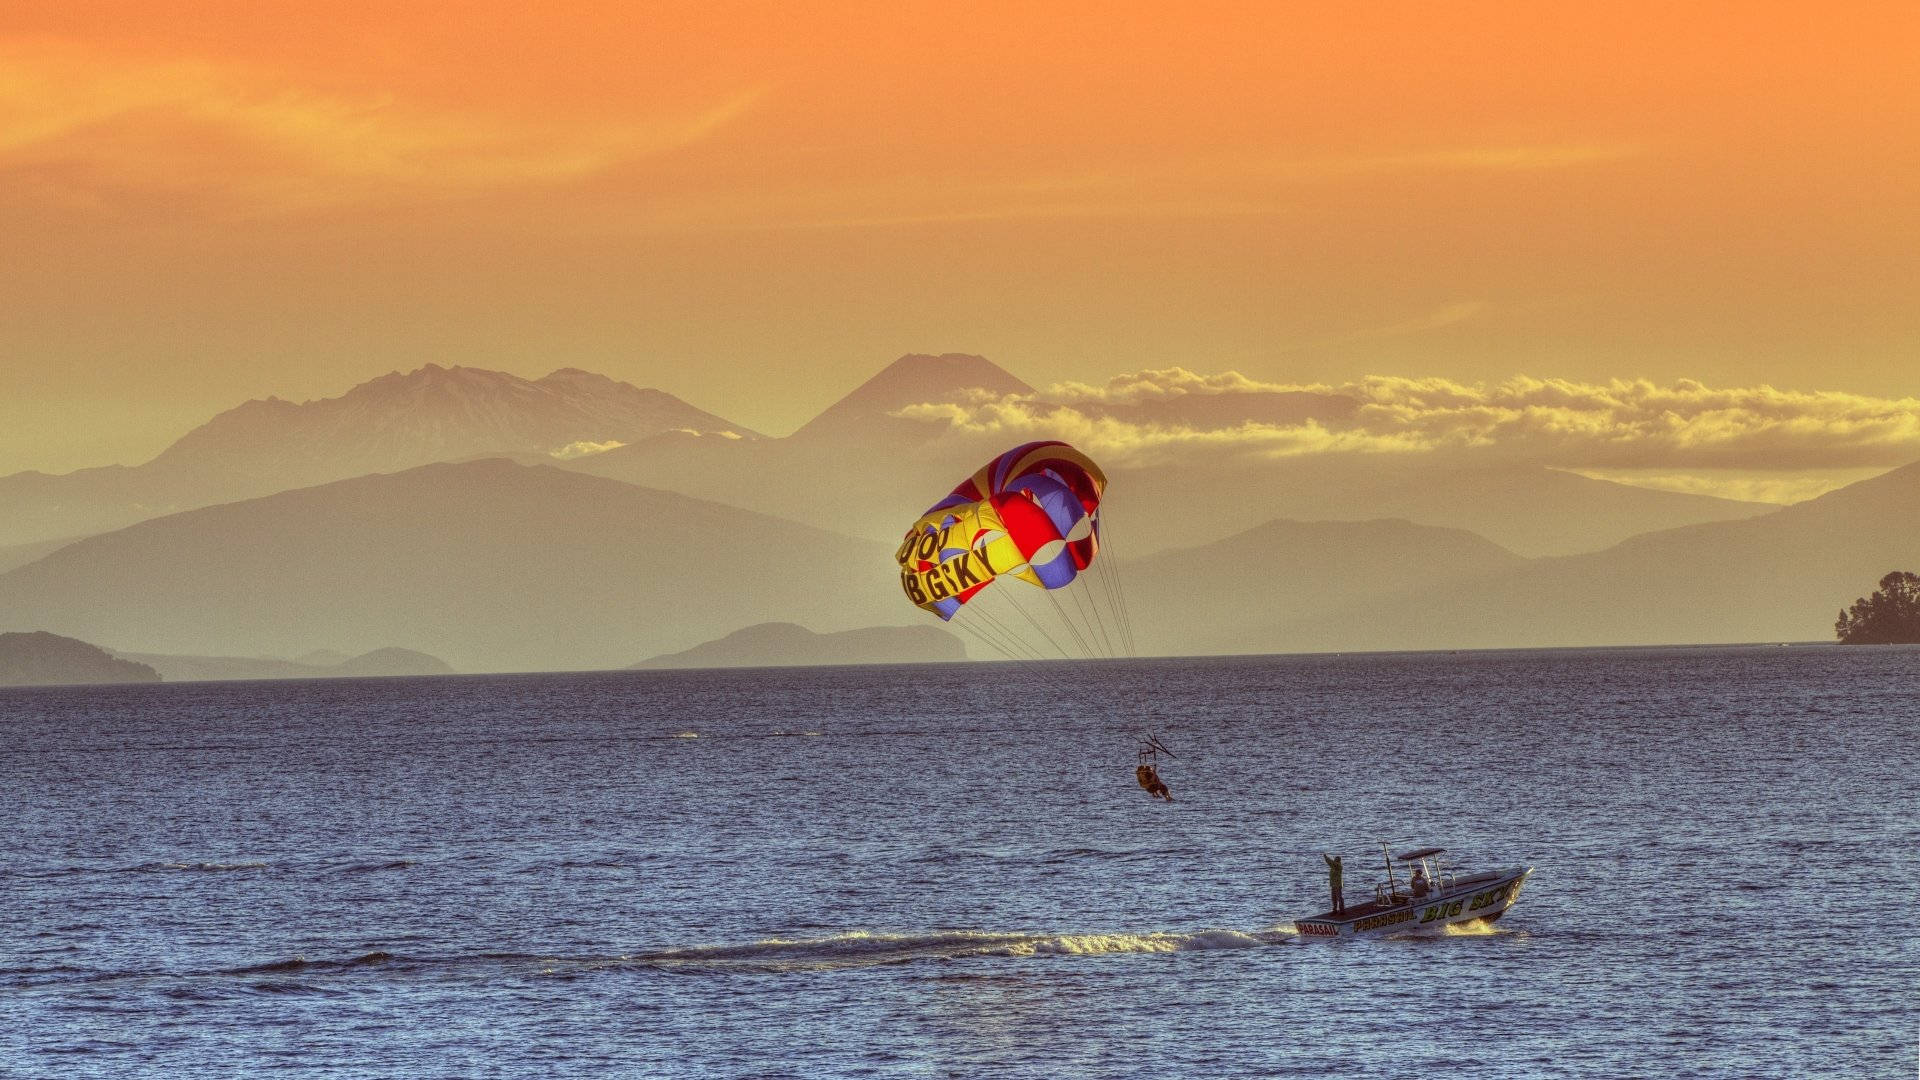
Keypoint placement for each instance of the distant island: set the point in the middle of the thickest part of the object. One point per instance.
(1891, 616)
(323, 664)
(42, 659)
(788, 645)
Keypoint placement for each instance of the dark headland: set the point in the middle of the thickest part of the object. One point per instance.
(317, 665)
(42, 659)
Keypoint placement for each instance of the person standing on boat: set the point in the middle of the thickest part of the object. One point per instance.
(1334, 872)
(1420, 887)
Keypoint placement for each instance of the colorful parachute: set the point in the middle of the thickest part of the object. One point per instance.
(1031, 513)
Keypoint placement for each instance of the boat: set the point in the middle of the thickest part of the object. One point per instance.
(1449, 897)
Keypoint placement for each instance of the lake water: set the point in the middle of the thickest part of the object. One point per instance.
(949, 871)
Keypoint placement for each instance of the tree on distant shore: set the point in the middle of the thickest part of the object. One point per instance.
(1890, 616)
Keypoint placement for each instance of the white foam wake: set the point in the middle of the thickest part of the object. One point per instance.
(862, 948)
(1097, 944)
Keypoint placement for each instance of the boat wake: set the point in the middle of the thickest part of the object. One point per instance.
(1479, 928)
(769, 956)
(865, 949)
(1475, 929)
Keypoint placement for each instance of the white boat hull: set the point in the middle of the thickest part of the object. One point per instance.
(1481, 898)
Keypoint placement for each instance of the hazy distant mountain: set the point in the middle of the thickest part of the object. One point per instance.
(1203, 599)
(489, 564)
(1542, 511)
(398, 421)
(43, 659)
(394, 422)
(789, 645)
(500, 566)
(388, 661)
(495, 565)
(1528, 509)
(1782, 576)
(22, 554)
(864, 490)
(36, 507)
(392, 661)
(864, 414)
(855, 468)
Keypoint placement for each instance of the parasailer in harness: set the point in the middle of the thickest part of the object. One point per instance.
(1149, 778)
(1147, 772)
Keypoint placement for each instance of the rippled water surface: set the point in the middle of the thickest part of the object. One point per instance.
(949, 871)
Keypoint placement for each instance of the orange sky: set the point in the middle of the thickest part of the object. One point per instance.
(756, 205)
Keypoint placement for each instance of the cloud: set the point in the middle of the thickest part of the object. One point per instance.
(1620, 424)
(88, 124)
(1641, 424)
(1159, 384)
(584, 448)
(1130, 442)
(1744, 484)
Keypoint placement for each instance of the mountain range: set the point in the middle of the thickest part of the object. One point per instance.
(862, 470)
(489, 564)
(321, 664)
(394, 422)
(1781, 576)
(574, 522)
(1316, 587)
(1301, 571)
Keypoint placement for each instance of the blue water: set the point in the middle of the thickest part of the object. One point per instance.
(948, 871)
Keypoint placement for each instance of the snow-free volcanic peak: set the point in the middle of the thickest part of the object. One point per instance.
(914, 379)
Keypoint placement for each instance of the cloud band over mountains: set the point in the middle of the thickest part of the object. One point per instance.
(1620, 424)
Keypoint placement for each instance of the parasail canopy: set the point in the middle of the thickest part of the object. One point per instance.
(1032, 513)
